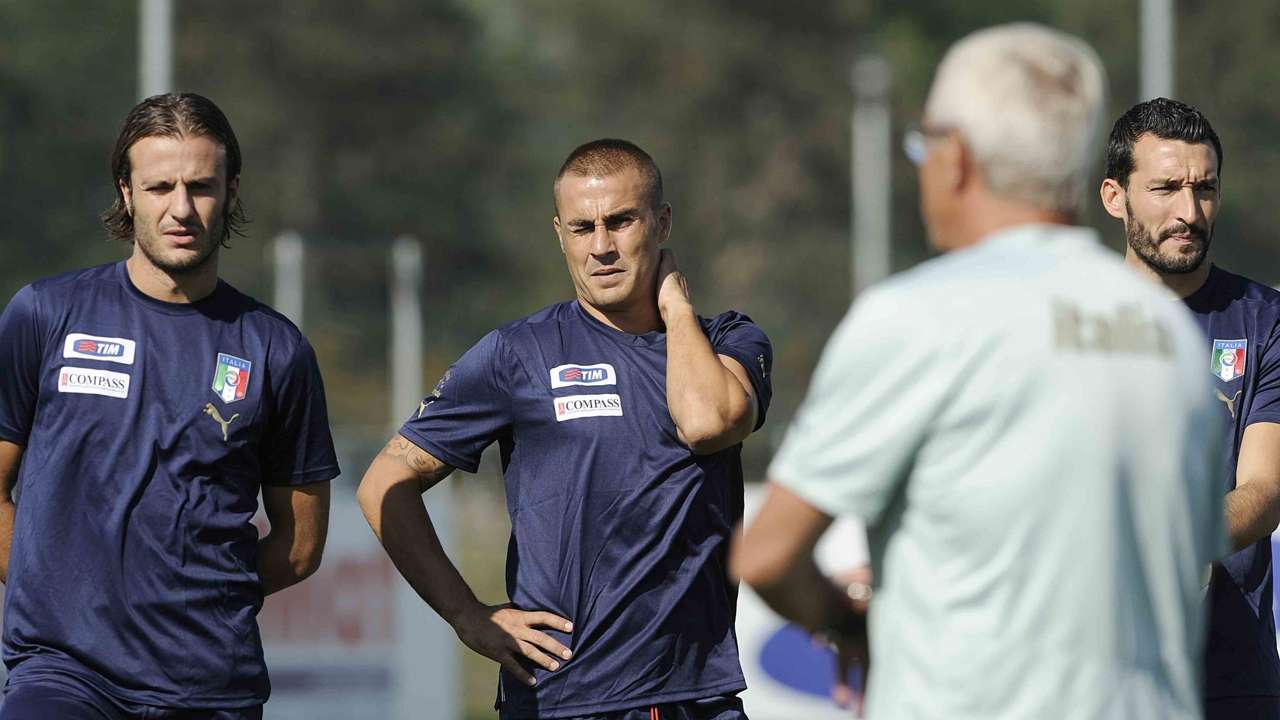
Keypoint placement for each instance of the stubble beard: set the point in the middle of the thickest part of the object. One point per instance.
(1147, 246)
(151, 246)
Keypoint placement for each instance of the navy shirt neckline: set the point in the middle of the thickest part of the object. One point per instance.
(651, 338)
(1202, 299)
(169, 308)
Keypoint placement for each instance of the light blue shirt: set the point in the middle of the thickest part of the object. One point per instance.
(1027, 430)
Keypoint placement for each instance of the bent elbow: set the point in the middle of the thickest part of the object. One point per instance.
(307, 563)
(751, 567)
(709, 436)
(368, 495)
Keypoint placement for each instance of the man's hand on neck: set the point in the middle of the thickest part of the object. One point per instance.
(673, 289)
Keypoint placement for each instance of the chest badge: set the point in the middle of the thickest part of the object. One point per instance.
(212, 412)
(1227, 361)
(231, 377)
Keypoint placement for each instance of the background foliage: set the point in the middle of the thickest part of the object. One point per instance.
(447, 120)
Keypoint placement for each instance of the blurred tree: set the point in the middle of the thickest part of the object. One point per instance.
(65, 65)
(357, 127)
(448, 119)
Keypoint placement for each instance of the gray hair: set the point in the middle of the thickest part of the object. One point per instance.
(1028, 101)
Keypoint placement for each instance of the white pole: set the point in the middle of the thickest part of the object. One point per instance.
(427, 659)
(155, 47)
(1158, 42)
(871, 168)
(406, 327)
(288, 259)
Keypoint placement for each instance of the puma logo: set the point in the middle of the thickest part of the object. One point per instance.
(212, 412)
(422, 407)
(1230, 401)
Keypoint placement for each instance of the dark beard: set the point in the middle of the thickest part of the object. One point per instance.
(1142, 241)
(190, 266)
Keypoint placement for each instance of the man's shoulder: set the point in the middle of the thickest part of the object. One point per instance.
(267, 318)
(730, 323)
(1235, 303)
(1240, 288)
(542, 320)
(267, 327)
(66, 284)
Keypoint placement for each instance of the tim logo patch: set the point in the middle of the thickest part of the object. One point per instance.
(566, 375)
(92, 381)
(1227, 361)
(91, 347)
(231, 378)
(573, 407)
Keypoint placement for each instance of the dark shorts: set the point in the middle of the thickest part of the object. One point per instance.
(722, 707)
(1241, 708)
(67, 699)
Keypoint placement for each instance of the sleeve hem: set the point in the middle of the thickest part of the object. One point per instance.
(305, 477)
(16, 438)
(817, 500)
(439, 452)
(745, 362)
(1269, 417)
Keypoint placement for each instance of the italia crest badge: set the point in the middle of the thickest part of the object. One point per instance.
(231, 378)
(1227, 362)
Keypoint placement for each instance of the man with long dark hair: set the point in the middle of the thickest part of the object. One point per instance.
(143, 406)
(1164, 165)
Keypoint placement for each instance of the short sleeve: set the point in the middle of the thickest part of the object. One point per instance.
(468, 409)
(20, 355)
(874, 394)
(736, 336)
(299, 448)
(1265, 406)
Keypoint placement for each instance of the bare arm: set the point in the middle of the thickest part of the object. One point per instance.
(1253, 507)
(391, 497)
(709, 396)
(10, 461)
(775, 557)
(299, 517)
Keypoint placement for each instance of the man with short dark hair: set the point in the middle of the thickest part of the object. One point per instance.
(620, 417)
(1164, 164)
(143, 406)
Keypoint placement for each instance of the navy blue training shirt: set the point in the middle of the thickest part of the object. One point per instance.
(616, 525)
(1241, 321)
(148, 428)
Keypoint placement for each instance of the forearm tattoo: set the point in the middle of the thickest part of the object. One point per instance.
(427, 468)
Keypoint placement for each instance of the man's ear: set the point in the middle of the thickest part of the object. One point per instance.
(1113, 199)
(957, 169)
(555, 223)
(127, 194)
(664, 223)
(233, 190)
